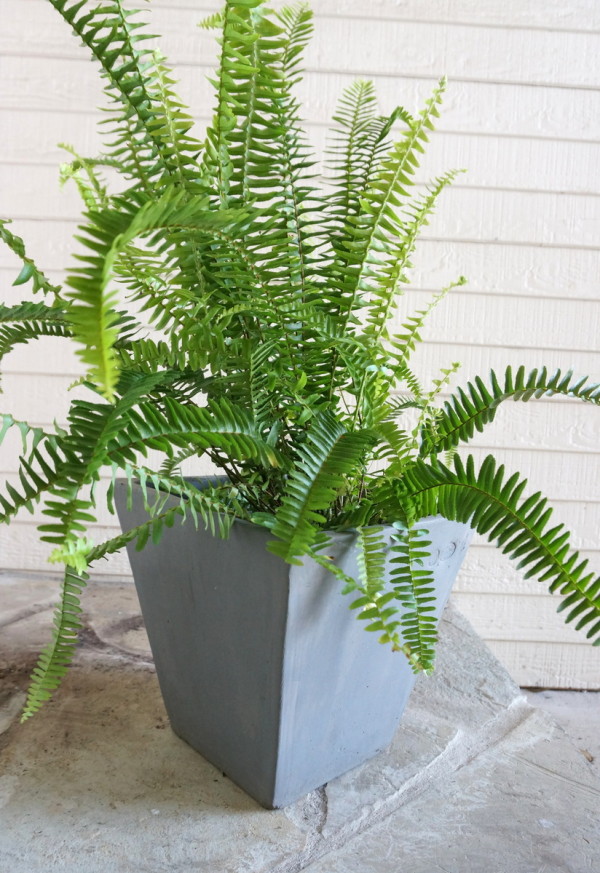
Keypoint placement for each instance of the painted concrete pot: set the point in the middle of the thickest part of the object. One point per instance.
(262, 666)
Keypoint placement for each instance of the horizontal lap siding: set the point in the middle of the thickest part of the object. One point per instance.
(521, 113)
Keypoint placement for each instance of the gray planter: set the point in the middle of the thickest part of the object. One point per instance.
(263, 667)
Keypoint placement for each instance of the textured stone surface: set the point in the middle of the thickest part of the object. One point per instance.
(98, 782)
(112, 610)
(528, 805)
(22, 595)
(578, 713)
(475, 780)
(26, 606)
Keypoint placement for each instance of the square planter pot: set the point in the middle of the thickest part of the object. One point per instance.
(262, 666)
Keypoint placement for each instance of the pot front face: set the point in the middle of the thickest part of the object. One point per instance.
(263, 667)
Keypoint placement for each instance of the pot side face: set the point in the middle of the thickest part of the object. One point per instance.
(263, 667)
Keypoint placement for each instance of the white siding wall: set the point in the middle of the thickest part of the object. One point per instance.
(522, 113)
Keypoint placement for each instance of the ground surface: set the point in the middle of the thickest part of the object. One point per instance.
(476, 781)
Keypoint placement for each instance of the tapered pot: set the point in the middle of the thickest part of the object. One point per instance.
(262, 666)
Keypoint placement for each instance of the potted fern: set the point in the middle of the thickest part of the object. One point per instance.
(271, 351)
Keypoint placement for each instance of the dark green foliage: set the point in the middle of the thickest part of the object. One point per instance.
(271, 345)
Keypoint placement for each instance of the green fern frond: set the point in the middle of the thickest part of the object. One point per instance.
(109, 232)
(218, 426)
(429, 412)
(358, 143)
(370, 249)
(212, 22)
(167, 497)
(413, 585)
(329, 454)
(28, 321)
(401, 611)
(396, 446)
(493, 507)
(29, 270)
(56, 658)
(41, 467)
(83, 171)
(117, 41)
(371, 557)
(471, 408)
(381, 305)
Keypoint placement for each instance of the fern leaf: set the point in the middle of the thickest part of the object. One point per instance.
(520, 529)
(471, 408)
(56, 658)
(369, 254)
(371, 556)
(27, 321)
(328, 456)
(413, 587)
(29, 270)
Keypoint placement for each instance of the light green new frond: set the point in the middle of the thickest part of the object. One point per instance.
(357, 144)
(109, 232)
(93, 321)
(57, 656)
(172, 125)
(297, 24)
(84, 172)
(370, 251)
(29, 270)
(403, 344)
(383, 301)
(212, 22)
(235, 73)
(430, 413)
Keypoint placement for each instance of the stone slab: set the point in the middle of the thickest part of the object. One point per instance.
(26, 608)
(22, 595)
(97, 782)
(528, 805)
(578, 713)
(112, 611)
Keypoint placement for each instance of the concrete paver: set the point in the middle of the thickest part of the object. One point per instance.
(527, 805)
(475, 780)
(578, 713)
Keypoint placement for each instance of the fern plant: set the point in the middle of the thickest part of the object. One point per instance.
(224, 304)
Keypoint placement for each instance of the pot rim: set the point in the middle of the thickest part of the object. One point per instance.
(340, 535)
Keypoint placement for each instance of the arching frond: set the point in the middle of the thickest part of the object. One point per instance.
(471, 408)
(492, 505)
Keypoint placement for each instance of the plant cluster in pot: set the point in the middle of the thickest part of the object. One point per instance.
(277, 351)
